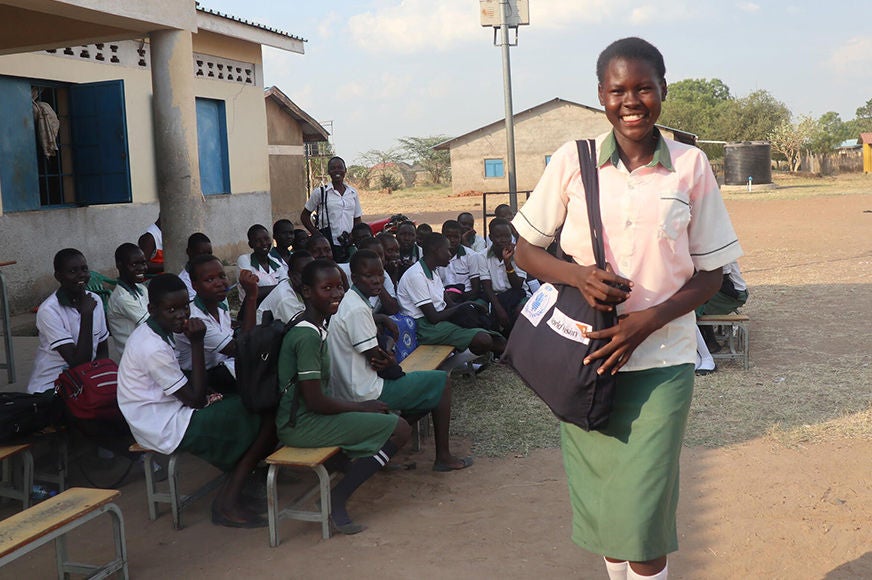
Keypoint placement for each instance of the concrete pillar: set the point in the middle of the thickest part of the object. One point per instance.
(183, 209)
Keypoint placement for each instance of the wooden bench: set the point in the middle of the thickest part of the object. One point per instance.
(423, 358)
(11, 453)
(57, 516)
(299, 459)
(738, 336)
(177, 500)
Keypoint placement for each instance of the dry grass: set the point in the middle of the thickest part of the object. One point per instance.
(733, 405)
(809, 402)
(501, 415)
(789, 186)
(850, 426)
(416, 200)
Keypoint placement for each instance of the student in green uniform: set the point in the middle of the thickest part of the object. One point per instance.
(309, 417)
(667, 236)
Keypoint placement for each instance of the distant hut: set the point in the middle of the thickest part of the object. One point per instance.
(866, 140)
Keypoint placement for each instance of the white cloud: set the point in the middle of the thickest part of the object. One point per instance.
(328, 25)
(377, 88)
(643, 14)
(749, 7)
(853, 58)
(565, 13)
(410, 26)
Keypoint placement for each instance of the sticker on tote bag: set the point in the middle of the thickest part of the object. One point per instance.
(539, 304)
(568, 328)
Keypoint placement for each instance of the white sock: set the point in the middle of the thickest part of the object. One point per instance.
(617, 570)
(661, 575)
(704, 360)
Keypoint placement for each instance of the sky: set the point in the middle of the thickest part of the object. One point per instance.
(381, 70)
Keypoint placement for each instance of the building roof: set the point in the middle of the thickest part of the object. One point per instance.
(848, 144)
(313, 132)
(229, 25)
(866, 138)
(555, 101)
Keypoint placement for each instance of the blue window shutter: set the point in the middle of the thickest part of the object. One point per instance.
(98, 123)
(494, 168)
(212, 146)
(19, 174)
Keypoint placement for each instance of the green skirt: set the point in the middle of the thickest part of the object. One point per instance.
(447, 333)
(221, 433)
(358, 434)
(623, 482)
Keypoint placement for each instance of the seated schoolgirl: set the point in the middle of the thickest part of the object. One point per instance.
(269, 270)
(128, 303)
(170, 412)
(309, 416)
(72, 330)
(210, 306)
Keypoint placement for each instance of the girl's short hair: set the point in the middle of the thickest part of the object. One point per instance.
(632, 48)
(63, 255)
(312, 269)
(160, 286)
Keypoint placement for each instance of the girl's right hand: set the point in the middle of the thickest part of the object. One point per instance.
(602, 289)
(87, 304)
(374, 406)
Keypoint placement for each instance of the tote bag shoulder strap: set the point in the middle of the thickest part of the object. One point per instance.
(590, 179)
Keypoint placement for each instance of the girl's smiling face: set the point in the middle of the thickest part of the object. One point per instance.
(326, 292)
(631, 92)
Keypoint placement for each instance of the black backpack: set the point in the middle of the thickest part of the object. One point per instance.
(24, 413)
(257, 363)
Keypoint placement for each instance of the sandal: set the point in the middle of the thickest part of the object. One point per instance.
(464, 463)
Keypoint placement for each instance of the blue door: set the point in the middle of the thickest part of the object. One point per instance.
(19, 174)
(212, 145)
(98, 123)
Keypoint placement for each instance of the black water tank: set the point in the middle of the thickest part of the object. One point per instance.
(747, 159)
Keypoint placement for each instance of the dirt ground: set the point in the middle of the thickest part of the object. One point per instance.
(755, 509)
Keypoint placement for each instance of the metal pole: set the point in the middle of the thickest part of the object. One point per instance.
(510, 121)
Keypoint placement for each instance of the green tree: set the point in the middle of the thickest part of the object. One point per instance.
(383, 172)
(420, 150)
(752, 118)
(695, 105)
(862, 123)
(865, 112)
(829, 131)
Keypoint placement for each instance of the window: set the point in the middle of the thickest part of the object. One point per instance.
(91, 163)
(212, 145)
(494, 168)
(547, 159)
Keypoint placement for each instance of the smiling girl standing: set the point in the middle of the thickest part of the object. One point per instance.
(667, 235)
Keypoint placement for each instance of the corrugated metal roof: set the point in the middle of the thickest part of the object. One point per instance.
(248, 23)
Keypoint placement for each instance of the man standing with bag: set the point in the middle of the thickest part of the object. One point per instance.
(338, 207)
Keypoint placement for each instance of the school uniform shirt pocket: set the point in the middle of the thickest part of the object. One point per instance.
(674, 214)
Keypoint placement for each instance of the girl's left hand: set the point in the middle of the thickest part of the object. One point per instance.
(631, 330)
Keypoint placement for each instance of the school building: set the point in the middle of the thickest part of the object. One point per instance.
(112, 110)
(478, 158)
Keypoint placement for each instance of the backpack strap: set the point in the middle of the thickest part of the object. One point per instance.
(295, 401)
